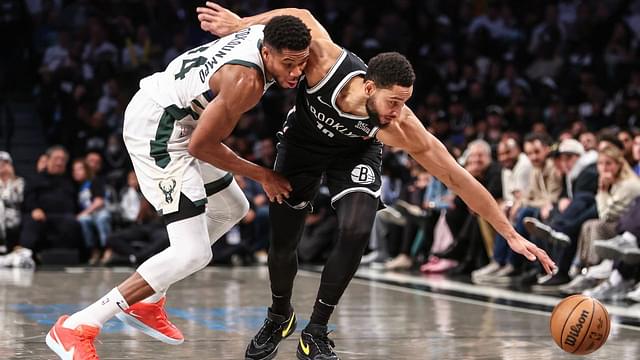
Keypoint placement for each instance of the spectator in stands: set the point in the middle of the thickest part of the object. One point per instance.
(545, 186)
(130, 199)
(626, 138)
(516, 174)
(576, 205)
(636, 154)
(392, 183)
(410, 202)
(618, 186)
(11, 198)
(254, 228)
(138, 242)
(469, 245)
(320, 232)
(588, 140)
(41, 163)
(50, 202)
(94, 217)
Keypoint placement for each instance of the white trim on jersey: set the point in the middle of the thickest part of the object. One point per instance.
(337, 90)
(341, 194)
(328, 76)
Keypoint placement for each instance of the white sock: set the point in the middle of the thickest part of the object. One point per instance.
(629, 237)
(616, 278)
(155, 297)
(99, 312)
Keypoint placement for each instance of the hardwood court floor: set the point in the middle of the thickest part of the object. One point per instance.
(219, 309)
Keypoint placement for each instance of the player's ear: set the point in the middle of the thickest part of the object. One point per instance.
(266, 52)
(369, 87)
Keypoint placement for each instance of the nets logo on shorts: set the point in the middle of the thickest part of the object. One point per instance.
(363, 174)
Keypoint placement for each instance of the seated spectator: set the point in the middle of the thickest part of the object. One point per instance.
(517, 172)
(130, 199)
(41, 163)
(577, 205)
(254, 228)
(93, 216)
(321, 230)
(618, 186)
(545, 186)
(468, 248)
(410, 198)
(621, 265)
(636, 154)
(138, 242)
(50, 202)
(391, 185)
(11, 198)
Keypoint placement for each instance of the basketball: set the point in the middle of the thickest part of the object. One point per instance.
(580, 324)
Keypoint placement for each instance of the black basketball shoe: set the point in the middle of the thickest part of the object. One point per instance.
(315, 344)
(264, 346)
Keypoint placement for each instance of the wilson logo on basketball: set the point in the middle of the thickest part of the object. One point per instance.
(574, 330)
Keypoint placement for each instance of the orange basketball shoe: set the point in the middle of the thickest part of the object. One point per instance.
(73, 344)
(151, 319)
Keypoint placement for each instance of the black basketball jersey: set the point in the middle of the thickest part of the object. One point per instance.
(317, 117)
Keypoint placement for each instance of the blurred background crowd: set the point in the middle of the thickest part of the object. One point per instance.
(539, 100)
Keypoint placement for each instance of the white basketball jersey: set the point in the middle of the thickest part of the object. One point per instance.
(185, 82)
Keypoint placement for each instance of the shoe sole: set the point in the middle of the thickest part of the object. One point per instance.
(137, 324)
(302, 356)
(545, 235)
(607, 252)
(536, 232)
(57, 348)
(268, 357)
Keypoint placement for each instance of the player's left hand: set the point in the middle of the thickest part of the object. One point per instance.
(218, 20)
(532, 252)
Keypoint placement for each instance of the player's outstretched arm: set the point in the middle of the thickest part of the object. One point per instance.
(238, 90)
(221, 21)
(409, 134)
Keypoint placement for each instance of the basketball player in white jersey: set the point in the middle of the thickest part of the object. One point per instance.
(344, 111)
(173, 130)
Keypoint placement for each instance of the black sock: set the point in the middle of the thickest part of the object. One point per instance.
(281, 305)
(321, 313)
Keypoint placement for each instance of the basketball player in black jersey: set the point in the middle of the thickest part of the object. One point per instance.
(343, 111)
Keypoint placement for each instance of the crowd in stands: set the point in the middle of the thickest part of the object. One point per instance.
(539, 101)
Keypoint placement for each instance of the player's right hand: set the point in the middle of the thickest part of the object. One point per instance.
(276, 186)
(218, 20)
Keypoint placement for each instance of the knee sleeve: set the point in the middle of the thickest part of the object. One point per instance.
(189, 251)
(225, 209)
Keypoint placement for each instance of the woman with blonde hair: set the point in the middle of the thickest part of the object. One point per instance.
(618, 186)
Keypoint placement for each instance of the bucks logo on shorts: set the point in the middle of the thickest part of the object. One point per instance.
(363, 174)
(167, 187)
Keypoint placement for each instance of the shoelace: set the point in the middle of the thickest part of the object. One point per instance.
(87, 345)
(325, 344)
(162, 317)
(266, 331)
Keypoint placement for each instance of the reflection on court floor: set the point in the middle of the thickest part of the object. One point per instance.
(219, 309)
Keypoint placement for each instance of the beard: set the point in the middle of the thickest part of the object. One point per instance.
(374, 116)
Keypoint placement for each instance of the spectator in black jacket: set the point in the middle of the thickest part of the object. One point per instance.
(468, 247)
(50, 203)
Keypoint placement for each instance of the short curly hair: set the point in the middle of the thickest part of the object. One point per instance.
(287, 32)
(390, 68)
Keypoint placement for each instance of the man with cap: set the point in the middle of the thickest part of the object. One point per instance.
(576, 205)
